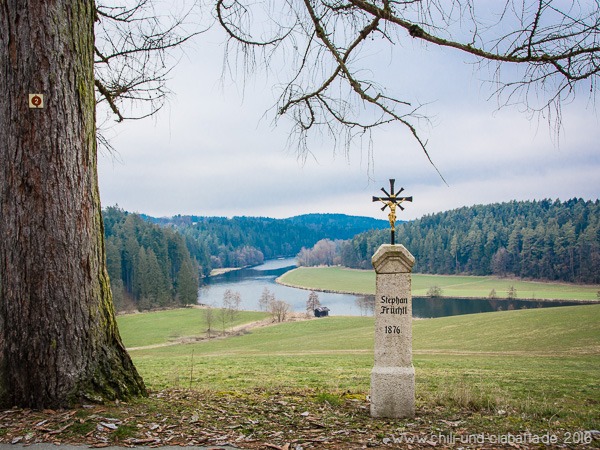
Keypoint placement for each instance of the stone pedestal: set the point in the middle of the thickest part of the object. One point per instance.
(393, 375)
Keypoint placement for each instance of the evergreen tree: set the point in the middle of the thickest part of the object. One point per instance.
(59, 342)
(151, 265)
(187, 283)
(540, 239)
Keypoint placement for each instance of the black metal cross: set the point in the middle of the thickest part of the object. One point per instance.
(392, 200)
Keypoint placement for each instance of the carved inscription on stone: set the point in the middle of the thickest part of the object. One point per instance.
(393, 305)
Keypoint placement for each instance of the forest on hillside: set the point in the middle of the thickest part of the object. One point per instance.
(245, 241)
(545, 239)
(149, 266)
(154, 263)
(158, 262)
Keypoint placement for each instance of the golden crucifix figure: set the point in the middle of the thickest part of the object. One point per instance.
(391, 201)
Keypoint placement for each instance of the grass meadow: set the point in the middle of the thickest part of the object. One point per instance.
(502, 378)
(162, 327)
(533, 366)
(363, 282)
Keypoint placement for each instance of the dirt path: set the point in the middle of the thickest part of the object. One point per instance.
(234, 331)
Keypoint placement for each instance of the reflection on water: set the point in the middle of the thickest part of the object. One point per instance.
(442, 307)
(251, 282)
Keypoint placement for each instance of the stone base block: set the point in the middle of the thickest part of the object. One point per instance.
(393, 392)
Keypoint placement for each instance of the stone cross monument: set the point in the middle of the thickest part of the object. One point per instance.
(392, 201)
(393, 374)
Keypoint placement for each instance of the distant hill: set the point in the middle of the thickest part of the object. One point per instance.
(544, 239)
(338, 226)
(240, 241)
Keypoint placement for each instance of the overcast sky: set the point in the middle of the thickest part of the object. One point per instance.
(213, 152)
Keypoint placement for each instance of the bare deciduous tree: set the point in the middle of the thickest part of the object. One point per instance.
(230, 307)
(265, 299)
(312, 303)
(366, 304)
(324, 252)
(279, 310)
(539, 51)
(134, 55)
(209, 318)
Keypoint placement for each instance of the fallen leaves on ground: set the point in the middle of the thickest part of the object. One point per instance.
(251, 420)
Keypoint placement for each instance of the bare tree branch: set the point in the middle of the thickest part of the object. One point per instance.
(134, 55)
(556, 42)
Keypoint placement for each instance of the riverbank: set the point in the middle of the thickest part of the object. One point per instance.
(362, 282)
(221, 271)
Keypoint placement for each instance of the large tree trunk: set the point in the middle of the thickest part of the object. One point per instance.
(59, 341)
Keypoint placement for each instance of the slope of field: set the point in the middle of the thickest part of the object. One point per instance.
(161, 327)
(540, 362)
(511, 379)
(363, 282)
(540, 365)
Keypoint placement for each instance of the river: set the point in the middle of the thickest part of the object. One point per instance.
(250, 283)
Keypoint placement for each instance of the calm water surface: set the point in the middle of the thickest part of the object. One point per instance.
(251, 282)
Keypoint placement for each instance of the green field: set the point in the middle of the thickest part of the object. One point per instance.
(305, 384)
(537, 363)
(161, 327)
(339, 279)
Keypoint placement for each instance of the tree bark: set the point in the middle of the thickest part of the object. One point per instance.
(59, 341)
